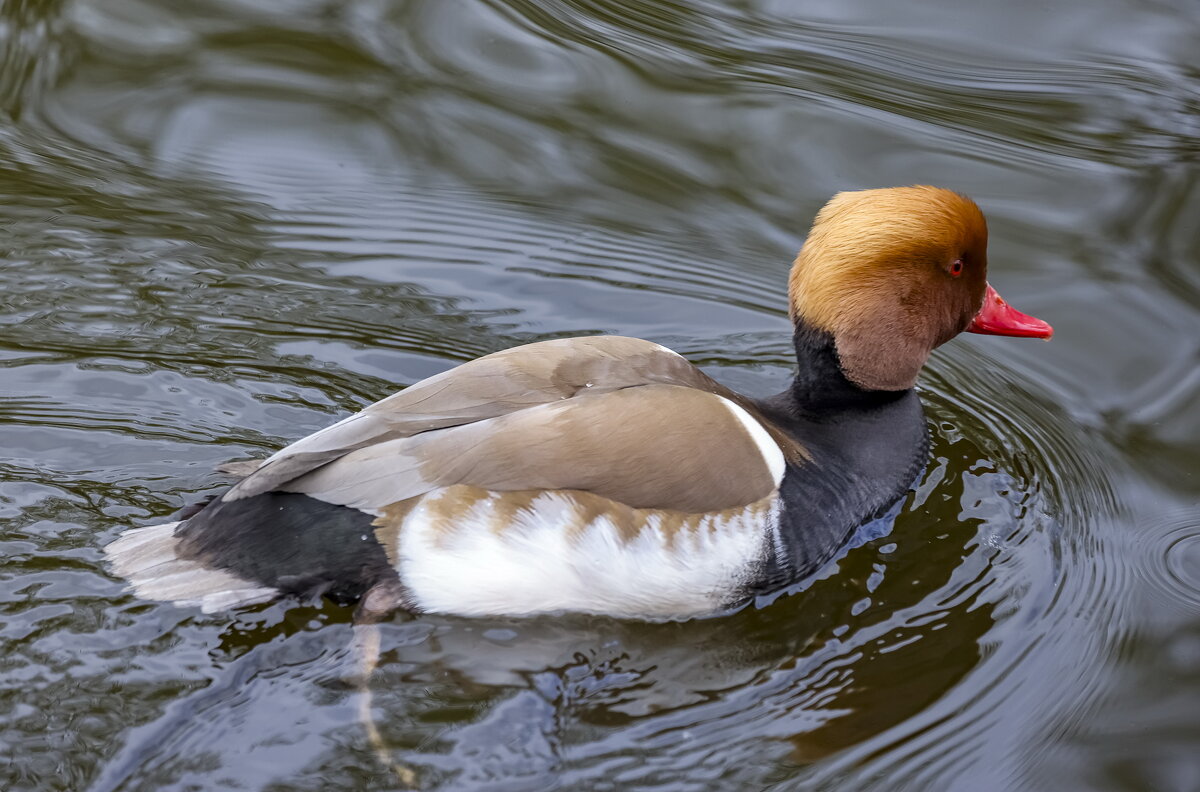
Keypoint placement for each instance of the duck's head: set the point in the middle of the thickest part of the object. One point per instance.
(891, 274)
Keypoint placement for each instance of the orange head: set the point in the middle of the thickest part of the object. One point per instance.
(893, 273)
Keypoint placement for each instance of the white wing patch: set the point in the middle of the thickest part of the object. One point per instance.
(667, 350)
(770, 450)
(535, 564)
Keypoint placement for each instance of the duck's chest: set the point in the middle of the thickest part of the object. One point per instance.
(860, 463)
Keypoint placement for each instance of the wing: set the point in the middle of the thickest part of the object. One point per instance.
(649, 446)
(490, 386)
(532, 417)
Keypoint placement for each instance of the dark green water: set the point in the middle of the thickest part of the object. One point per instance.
(225, 224)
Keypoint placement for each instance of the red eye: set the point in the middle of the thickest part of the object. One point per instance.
(956, 268)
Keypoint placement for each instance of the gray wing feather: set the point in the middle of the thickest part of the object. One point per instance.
(488, 387)
(239, 467)
(660, 446)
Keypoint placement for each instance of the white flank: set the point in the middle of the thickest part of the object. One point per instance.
(537, 565)
(769, 449)
(146, 557)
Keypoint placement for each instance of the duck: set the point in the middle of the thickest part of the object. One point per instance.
(604, 474)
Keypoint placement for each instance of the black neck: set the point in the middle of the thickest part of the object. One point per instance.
(820, 385)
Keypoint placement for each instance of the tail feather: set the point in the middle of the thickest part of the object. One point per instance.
(148, 558)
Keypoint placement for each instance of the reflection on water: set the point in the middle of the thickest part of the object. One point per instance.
(226, 224)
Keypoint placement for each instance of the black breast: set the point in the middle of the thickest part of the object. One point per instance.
(866, 447)
(862, 463)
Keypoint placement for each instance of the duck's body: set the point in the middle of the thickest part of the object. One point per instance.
(602, 475)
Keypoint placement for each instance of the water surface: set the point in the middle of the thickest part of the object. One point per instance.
(227, 224)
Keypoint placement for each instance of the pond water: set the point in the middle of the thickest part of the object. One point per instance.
(226, 224)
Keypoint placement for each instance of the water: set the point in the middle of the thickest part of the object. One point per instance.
(226, 224)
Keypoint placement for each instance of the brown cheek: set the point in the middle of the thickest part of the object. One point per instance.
(966, 307)
(955, 314)
(972, 302)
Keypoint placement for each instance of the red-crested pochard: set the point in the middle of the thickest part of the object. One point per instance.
(606, 474)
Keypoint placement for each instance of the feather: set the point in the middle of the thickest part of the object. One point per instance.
(148, 559)
(489, 387)
(655, 446)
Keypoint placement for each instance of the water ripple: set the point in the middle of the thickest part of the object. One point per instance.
(224, 226)
(1174, 563)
